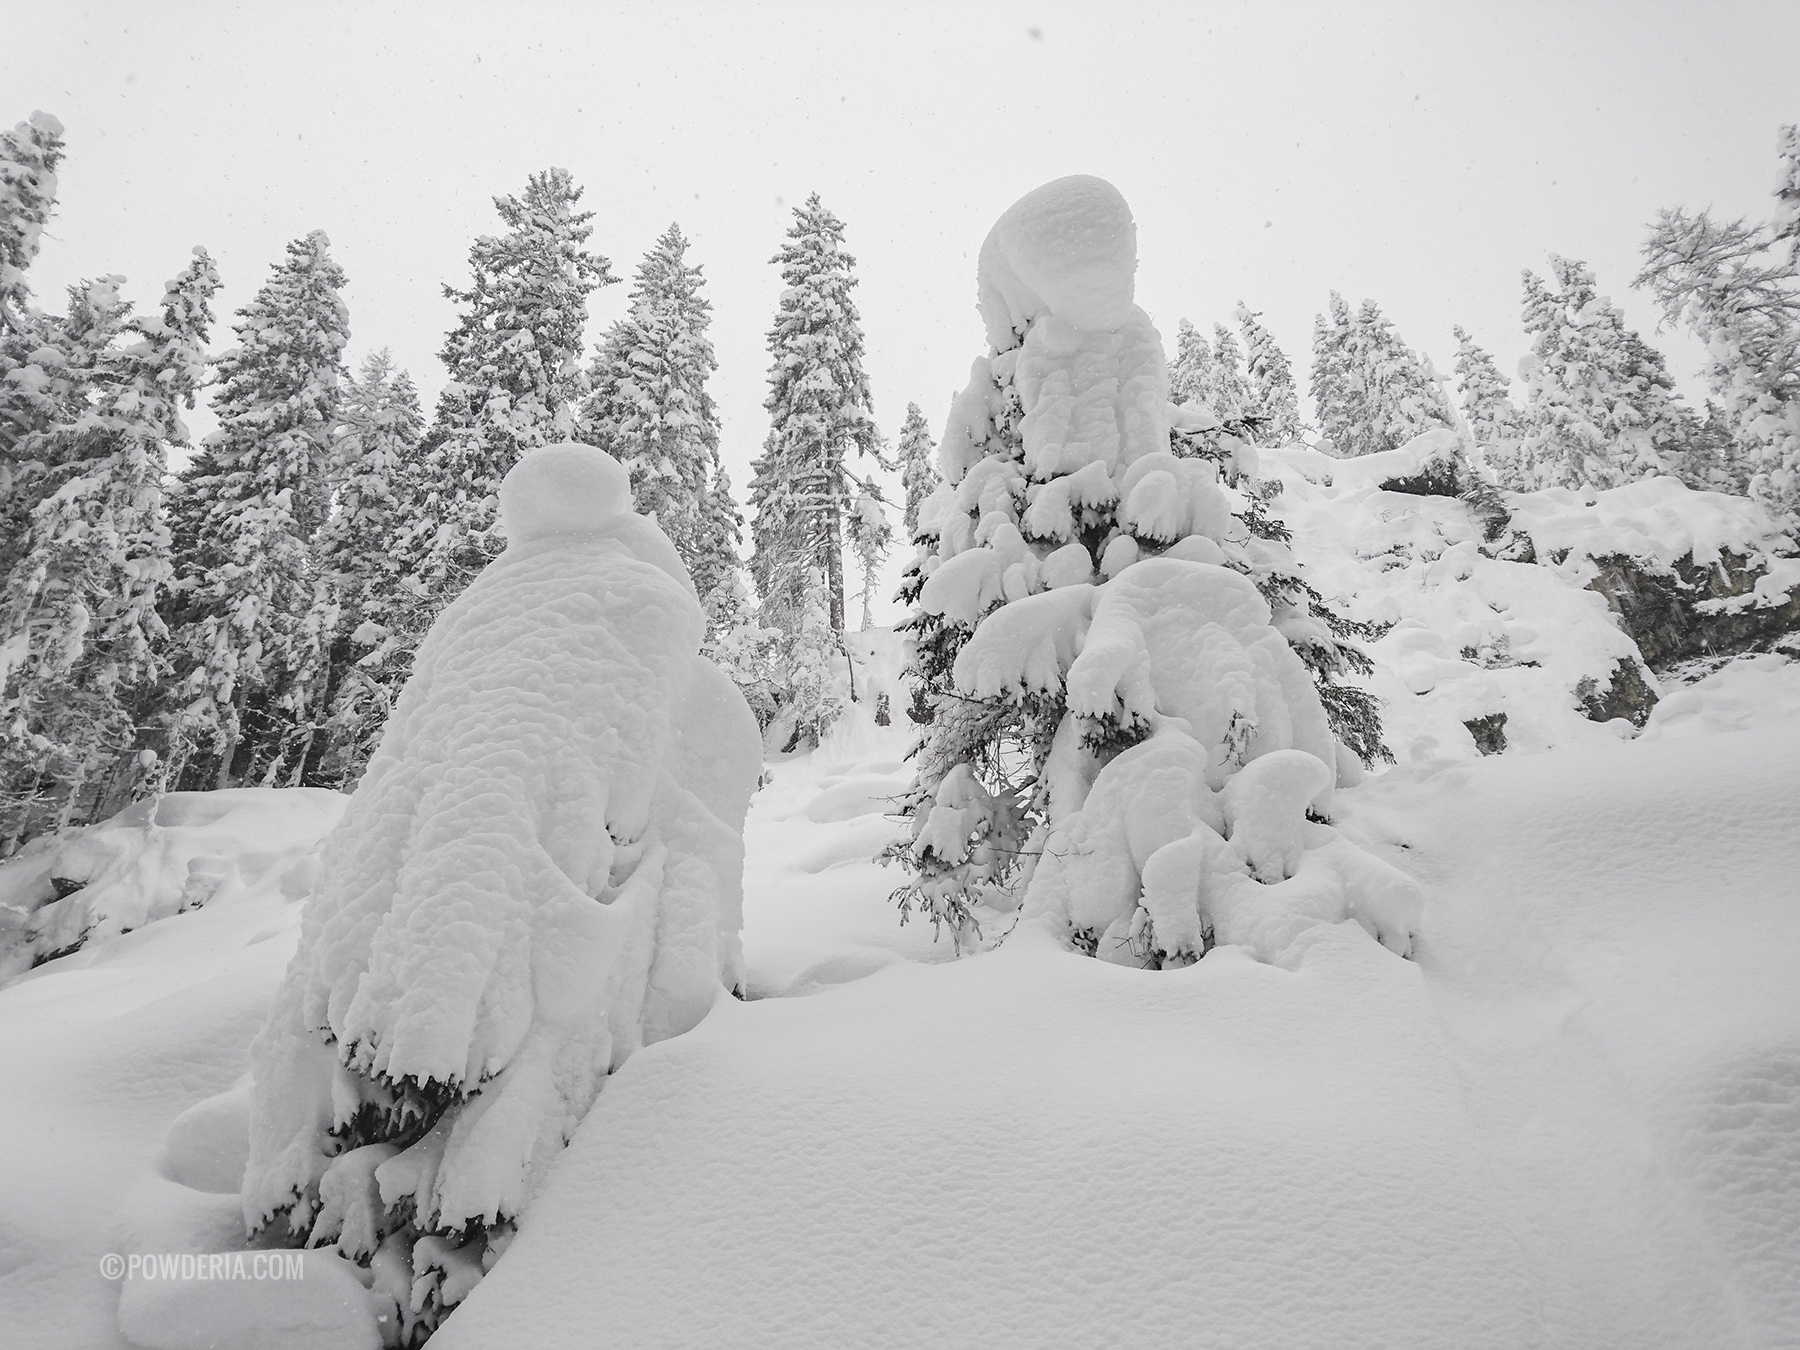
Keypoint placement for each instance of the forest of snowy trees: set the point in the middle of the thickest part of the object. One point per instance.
(251, 616)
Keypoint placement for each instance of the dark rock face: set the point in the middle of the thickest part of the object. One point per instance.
(1489, 733)
(1660, 610)
(1627, 695)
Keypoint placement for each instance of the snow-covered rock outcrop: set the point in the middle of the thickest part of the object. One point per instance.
(1524, 622)
(540, 872)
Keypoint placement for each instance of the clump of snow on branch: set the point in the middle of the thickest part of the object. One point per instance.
(540, 872)
(1103, 674)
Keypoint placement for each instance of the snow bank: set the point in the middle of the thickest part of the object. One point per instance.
(157, 858)
(539, 873)
(1658, 521)
(1743, 694)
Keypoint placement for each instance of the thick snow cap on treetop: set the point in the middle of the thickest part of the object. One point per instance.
(1068, 248)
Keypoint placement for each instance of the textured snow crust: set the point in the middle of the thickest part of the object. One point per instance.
(539, 873)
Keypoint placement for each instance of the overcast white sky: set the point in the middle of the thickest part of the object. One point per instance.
(1419, 155)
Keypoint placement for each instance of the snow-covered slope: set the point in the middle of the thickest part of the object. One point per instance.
(1571, 1121)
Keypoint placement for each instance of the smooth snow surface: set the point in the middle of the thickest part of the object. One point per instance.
(1573, 1121)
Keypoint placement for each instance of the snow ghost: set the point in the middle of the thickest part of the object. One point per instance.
(540, 872)
(1125, 744)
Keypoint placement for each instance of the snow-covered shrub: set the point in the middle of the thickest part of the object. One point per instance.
(540, 872)
(1093, 636)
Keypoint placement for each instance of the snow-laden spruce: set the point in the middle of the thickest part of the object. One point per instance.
(1122, 737)
(540, 872)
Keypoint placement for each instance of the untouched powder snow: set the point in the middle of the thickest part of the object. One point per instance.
(1573, 1120)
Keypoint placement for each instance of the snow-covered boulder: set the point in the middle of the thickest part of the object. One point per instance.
(540, 872)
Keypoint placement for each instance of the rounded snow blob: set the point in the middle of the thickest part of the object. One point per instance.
(1068, 248)
(562, 489)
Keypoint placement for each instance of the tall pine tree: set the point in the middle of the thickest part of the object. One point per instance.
(253, 620)
(78, 612)
(649, 407)
(31, 391)
(820, 414)
(1233, 398)
(1600, 409)
(1271, 381)
(1395, 396)
(376, 477)
(918, 470)
(1337, 400)
(1488, 410)
(514, 360)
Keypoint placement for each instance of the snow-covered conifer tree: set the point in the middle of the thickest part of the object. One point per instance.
(1731, 285)
(819, 414)
(1600, 410)
(30, 393)
(78, 611)
(871, 537)
(540, 873)
(1486, 405)
(514, 360)
(1232, 395)
(918, 472)
(1271, 380)
(29, 156)
(1191, 372)
(811, 699)
(252, 619)
(1337, 400)
(1397, 395)
(648, 406)
(375, 473)
(1096, 651)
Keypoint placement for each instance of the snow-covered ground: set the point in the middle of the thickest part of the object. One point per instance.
(1573, 1120)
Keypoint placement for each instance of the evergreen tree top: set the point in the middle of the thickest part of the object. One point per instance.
(816, 339)
(291, 336)
(535, 278)
(29, 156)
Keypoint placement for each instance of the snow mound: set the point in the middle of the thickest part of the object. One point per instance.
(539, 873)
(1570, 1122)
(155, 859)
(1748, 692)
(1653, 520)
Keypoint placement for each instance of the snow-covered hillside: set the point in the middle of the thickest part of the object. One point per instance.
(1570, 1121)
